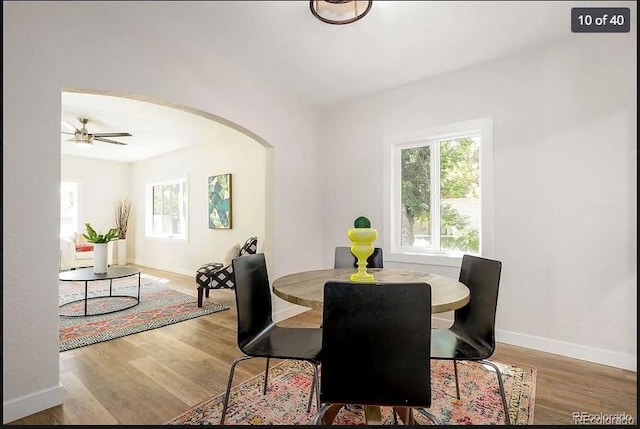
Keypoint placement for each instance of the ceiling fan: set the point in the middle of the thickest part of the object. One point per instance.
(83, 137)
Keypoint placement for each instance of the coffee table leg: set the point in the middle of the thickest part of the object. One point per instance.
(138, 287)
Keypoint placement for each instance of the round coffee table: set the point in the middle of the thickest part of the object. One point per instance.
(87, 275)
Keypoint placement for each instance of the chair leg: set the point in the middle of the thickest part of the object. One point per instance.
(266, 375)
(226, 396)
(507, 420)
(455, 371)
(200, 291)
(313, 388)
(315, 385)
(428, 414)
(320, 414)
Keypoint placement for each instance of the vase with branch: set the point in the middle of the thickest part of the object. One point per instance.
(123, 212)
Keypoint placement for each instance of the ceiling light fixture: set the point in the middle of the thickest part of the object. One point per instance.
(339, 11)
(83, 140)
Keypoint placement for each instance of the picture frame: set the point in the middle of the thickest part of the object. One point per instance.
(219, 197)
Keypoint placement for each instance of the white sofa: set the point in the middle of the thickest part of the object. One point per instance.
(72, 256)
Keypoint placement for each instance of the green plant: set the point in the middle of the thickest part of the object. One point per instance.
(93, 237)
(362, 222)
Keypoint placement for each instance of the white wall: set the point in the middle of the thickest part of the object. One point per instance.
(238, 155)
(109, 53)
(565, 159)
(565, 135)
(100, 185)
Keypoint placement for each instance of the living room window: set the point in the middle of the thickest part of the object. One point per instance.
(166, 210)
(68, 209)
(438, 195)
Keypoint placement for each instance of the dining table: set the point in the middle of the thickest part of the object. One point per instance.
(306, 288)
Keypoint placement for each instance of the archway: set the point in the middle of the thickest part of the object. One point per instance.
(200, 238)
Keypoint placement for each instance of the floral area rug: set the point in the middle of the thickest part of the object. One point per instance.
(290, 382)
(159, 306)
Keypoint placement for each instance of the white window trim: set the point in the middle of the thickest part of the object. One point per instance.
(148, 218)
(483, 126)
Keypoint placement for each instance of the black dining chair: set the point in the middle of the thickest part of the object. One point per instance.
(472, 335)
(258, 335)
(374, 341)
(345, 259)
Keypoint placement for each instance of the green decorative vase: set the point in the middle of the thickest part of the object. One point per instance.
(362, 247)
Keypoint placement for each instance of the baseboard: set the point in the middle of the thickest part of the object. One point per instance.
(570, 350)
(171, 269)
(28, 405)
(288, 312)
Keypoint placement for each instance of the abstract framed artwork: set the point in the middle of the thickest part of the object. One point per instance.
(220, 201)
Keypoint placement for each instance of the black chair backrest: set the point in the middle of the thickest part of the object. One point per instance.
(253, 297)
(476, 320)
(376, 341)
(345, 259)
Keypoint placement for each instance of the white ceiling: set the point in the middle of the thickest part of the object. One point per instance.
(398, 42)
(154, 129)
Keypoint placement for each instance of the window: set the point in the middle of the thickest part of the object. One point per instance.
(438, 200)
(166, 210)
(68, 209)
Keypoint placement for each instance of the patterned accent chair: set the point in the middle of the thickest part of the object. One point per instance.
(215, 275)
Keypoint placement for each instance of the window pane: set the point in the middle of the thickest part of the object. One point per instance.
(157, 209)
(460, 195)
(415, 197)
(173, 213)
(169, 202)
(438, 202)
(68, 209)
(166, 209)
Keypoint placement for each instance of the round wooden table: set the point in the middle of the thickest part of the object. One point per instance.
(306, 288)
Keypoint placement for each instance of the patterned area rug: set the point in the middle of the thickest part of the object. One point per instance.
(159, 306)
(290, 383)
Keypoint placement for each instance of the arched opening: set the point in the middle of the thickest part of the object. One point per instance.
(197, 145)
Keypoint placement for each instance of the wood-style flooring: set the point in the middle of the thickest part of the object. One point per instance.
(154, 376)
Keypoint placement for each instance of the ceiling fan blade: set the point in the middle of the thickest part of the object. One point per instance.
(64, 132)
(70, 127)
(111, 135)
(102, 139)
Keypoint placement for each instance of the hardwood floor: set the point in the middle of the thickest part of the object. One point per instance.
(151, 377)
